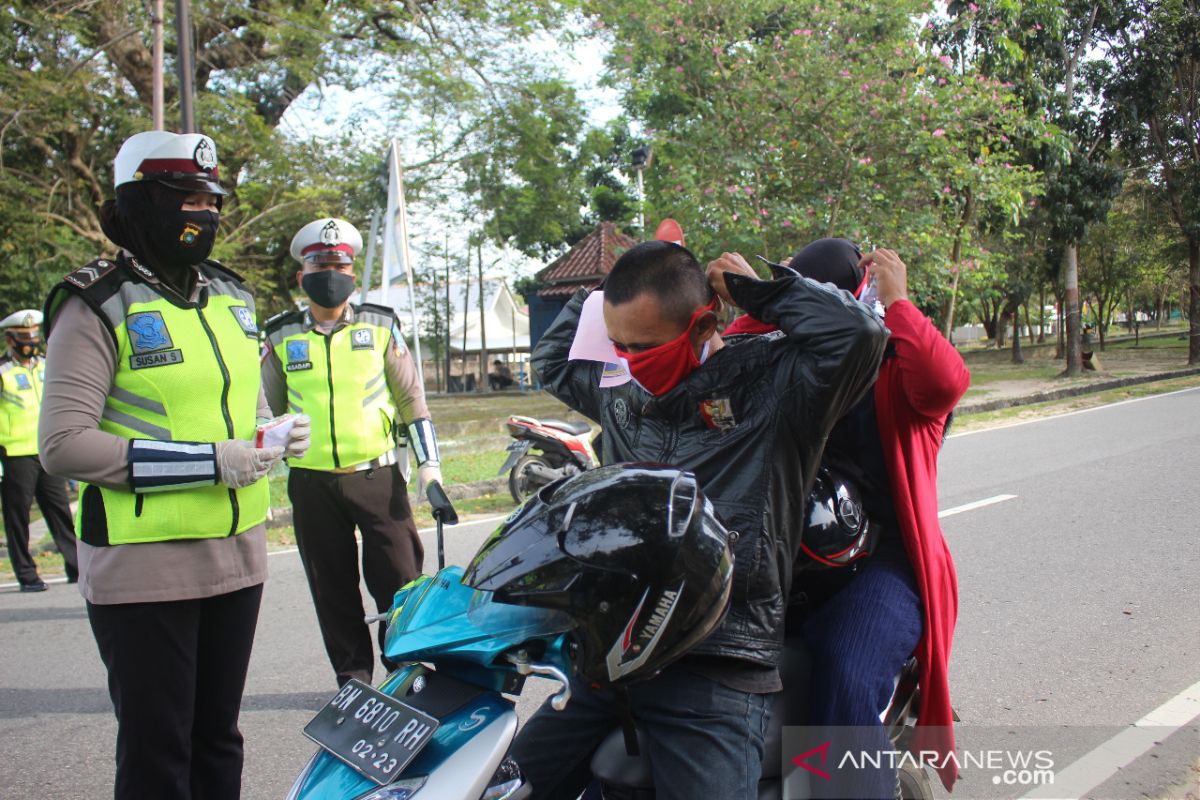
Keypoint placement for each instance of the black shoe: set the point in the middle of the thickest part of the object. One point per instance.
(40, 586)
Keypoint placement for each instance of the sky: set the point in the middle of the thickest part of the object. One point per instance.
(321, 112)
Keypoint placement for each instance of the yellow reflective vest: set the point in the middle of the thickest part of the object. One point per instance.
(186, 372)
(338, 380)
(20, 403)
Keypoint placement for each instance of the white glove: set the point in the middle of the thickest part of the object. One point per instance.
(240, 463)
(427, 473)
(299, 437)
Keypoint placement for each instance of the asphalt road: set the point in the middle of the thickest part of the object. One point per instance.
(1079, 606)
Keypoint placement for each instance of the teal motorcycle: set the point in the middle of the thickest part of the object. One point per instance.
(440, 727)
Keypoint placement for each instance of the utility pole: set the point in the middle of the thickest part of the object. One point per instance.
(641, 157)
(156, 20)
(183, 31)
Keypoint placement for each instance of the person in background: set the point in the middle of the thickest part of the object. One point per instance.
(347, 367)
(22, 375)
(152, 401)
(501, 376)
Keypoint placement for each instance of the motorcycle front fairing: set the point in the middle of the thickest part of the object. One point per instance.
(465, 634)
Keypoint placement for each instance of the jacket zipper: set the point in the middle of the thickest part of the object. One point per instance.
(329, 378)
(233, 501)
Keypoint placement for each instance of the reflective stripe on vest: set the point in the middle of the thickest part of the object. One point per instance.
(339, 382)
(20, 403)
(183, 374)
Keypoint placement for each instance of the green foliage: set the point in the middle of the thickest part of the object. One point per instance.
(774, 125)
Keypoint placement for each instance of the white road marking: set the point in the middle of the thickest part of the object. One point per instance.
(1080, 777)
(987, 501)
(421, 530)
(1070, 413)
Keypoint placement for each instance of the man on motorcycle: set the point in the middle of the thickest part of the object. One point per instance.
(749, 419)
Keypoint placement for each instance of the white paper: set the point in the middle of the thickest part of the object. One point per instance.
(591, 342)
(275, 433)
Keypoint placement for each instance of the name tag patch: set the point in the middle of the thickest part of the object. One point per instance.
(144, 360)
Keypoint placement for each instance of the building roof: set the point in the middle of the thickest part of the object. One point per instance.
(586, 263)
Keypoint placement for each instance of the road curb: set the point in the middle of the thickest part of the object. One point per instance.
(1071, 391)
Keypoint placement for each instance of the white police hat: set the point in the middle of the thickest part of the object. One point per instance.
(25, 318)
(186, 161)
(327, 235)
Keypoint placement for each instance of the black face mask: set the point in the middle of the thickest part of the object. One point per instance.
(328, 288)
(180, 239)
(146, 219)
(24, 348)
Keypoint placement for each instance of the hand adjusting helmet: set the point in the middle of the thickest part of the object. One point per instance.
(837, 531)
(633, 553)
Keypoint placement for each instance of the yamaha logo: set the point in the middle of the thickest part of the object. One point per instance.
(850, 513)
(205, 155)
(330, 234)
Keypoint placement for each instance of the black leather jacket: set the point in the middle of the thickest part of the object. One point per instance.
(751, 423)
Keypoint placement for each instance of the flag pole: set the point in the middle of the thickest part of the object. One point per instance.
(366, 284)
(398, 230)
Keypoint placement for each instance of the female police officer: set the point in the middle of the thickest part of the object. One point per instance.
(152, 395)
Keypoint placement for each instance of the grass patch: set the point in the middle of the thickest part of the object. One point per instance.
(990, 419)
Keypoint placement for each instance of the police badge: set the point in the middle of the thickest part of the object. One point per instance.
(205, 156)
(330, 235)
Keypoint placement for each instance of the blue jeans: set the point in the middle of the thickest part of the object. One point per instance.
(859, 639)
(702, 739)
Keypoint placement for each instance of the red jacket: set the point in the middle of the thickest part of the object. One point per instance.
(917, 388)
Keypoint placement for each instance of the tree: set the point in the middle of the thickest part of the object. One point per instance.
(75, 80)
(1153, 101)
(773, 125)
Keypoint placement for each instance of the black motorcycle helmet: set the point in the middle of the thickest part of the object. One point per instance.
(632, 552)
(837, 531)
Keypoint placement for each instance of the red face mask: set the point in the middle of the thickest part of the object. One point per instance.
(660, 369)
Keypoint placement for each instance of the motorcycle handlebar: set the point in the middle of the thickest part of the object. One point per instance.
(443, 509)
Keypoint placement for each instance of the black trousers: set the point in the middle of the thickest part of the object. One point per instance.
(327, 507)
(25, 480)
(176, 672)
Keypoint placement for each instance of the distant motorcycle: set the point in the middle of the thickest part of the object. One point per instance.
(559, 450)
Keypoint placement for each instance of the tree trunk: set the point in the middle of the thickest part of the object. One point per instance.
(449, 354)
(948, 330)
(483, 350)
(1041, 314)
(1194, 305)
(466, 316)
(1062, 341)
(1017, 356)
(1071, 281)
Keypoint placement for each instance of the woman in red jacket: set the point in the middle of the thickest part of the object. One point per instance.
(862, 625)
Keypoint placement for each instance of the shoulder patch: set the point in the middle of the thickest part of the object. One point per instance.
(88, 274)
(275, 322)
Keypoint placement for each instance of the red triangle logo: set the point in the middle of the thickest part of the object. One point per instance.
(802, 760)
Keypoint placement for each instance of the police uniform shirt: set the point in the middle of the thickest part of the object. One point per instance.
(80, 365)
(404, 384)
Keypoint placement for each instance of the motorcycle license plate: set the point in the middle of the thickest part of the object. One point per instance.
(374, 734)
(516, 448)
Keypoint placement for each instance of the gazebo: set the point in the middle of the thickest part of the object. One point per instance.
(583, 266)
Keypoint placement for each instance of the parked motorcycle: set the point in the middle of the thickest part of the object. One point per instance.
(559, 450)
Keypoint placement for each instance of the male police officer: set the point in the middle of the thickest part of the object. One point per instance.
(346, 366)
(21, 376)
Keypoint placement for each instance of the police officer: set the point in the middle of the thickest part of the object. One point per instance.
(21, 377)
(152, 398)
(346, 366)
